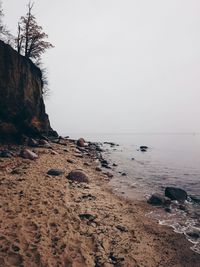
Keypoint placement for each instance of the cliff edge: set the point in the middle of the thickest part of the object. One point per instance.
(22, 109)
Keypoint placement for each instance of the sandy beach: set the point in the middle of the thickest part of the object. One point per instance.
(51, 221)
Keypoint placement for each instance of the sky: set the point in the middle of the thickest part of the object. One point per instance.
(120, 66)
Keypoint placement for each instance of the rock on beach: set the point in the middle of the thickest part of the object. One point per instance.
(55, 172)
(28, 154)
(81, 142)
(78, 176)
(5, 154)
(32, 142)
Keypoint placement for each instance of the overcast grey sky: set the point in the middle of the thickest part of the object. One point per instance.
(120, 65)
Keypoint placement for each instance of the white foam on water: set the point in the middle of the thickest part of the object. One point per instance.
(181, 224)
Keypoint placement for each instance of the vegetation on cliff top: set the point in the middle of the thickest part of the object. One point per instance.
(5, 35)
(23, 80)
(31, 40)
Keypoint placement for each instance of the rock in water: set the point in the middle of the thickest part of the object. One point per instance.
(195, 198)
(105, 165)
(81, 142)
(28, 154)
(78, 176)
(103, 161)
(175, 193)
(194, 233)
(109, 174)
(157, 199)
(143, 147)
(55, 172)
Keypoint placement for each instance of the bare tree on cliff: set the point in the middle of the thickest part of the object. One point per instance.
(1, 15)
(31, 40)
(5, 35)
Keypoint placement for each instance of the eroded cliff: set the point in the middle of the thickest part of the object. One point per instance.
(22, 109)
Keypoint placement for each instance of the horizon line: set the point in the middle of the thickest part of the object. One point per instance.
(129, 133)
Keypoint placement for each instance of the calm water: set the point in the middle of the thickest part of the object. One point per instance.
(171, 160)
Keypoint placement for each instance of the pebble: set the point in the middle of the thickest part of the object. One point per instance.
(70, 161)
(109, 174)
(98, 169)
(121, 228)
(54, 152)
(55, 172)
(115, 165)
(87, 164)
(87, 216)
(78, 155)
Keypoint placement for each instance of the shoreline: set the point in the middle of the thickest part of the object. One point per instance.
(50, 221)
(181, 217)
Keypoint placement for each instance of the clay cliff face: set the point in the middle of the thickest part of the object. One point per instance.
(22, 109)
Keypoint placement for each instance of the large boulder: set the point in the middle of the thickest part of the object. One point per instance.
(78, 176)
(175, 193)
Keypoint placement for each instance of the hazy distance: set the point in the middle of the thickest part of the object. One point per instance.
(120, 66)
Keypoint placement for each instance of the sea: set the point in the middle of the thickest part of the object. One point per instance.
(172, 159)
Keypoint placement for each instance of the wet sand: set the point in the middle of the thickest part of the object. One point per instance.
(50, 221)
